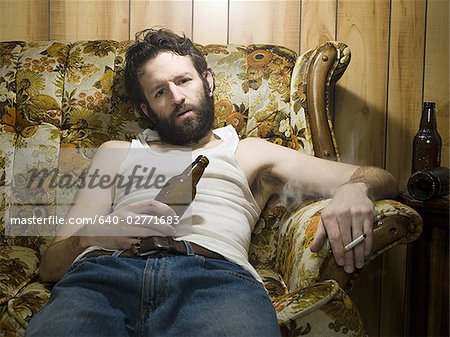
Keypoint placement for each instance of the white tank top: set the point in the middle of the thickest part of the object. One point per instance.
(224, 212)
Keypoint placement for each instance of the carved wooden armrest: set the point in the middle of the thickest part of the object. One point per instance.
(396, 224)
(313, 82)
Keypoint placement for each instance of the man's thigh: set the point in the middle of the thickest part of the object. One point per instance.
(88, 301)
(217, 298)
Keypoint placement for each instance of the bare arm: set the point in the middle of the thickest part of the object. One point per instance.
(353, 189)
(351, 214)
(89, 202)
(92, 203)
(57, 259)
(380, 183)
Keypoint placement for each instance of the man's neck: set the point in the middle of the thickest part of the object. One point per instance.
(207, 141)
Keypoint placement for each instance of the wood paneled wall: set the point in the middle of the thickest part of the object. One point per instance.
(400, 57)
(399, 49)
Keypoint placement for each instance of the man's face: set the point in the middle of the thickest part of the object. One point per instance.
(180, 102)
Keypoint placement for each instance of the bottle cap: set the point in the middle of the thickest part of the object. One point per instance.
(203, 159)
(429, 105)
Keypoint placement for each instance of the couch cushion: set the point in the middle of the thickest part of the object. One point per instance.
(21, 308)
(273, 282)
(23, 197)
(18, 265)
(252, 90)
(298, 265)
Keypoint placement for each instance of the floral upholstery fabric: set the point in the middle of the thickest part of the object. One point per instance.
(56, 96)
(304, 312)
(20, 309)
(18, 266)
(285, 259)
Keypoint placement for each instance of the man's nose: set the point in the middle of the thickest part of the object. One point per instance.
(177, 95)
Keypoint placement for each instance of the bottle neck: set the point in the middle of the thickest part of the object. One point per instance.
(198, 167)
(188, 170)
(428, 119)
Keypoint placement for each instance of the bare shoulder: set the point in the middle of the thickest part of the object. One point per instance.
(250, 141)
(110, 155)
(251, 151)
(113, 149)
(283, 164)
(257, 157)
(250, 144)
(266, 153)
(115, 144)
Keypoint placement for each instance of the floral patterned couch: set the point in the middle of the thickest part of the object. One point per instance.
(56, 96)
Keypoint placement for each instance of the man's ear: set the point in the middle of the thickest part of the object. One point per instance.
(144, 109)
(210, 80)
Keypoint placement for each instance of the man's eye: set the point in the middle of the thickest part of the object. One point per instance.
(159, 93)
(184, 80)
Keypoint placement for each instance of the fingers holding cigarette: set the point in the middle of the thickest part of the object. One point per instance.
(355, 242)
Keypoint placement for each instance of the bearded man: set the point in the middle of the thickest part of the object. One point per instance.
(196, 279)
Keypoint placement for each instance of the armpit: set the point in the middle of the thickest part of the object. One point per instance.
(264, 186)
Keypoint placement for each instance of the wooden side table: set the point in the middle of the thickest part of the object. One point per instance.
(427, 289)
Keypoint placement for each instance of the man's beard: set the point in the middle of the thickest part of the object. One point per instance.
(194, 128)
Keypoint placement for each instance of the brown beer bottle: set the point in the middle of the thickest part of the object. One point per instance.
(427, 142)
(426, 185)
(180, 190)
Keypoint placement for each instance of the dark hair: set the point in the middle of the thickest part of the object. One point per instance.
(149, 43)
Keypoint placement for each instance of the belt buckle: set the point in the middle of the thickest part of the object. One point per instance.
(136, 247)
(158, 243)
(162, 243)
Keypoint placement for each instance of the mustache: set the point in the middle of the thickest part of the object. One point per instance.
(182, 108)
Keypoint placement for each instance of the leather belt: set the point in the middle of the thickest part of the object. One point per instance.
(155, 244)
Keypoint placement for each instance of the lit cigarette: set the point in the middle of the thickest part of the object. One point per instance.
(355, 242)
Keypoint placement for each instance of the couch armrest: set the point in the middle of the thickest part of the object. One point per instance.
(323, 309)
(298, 266)
(313, 82)
(395, 224)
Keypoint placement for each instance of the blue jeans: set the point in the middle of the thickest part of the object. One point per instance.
(163, 295)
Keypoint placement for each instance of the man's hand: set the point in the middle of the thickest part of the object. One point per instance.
(111, 234)
(124, 226)
(348, 215)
